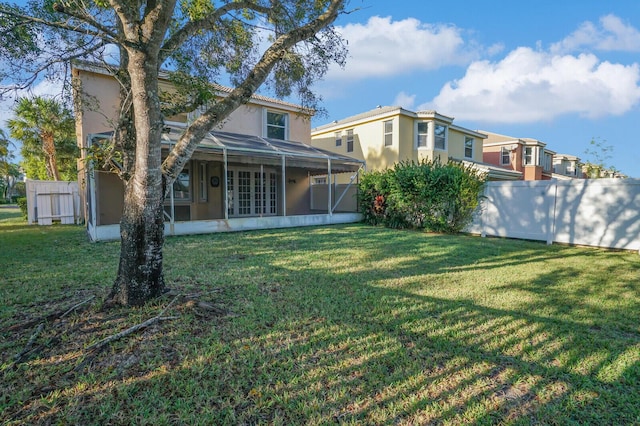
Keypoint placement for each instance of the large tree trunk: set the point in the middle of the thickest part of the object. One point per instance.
(140, 275)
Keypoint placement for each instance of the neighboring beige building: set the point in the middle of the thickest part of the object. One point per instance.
(254, 172)
(525, 155)
(387, 135)
(567, 165)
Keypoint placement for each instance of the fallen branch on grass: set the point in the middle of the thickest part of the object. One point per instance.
(19, 357)
(76, 306)
(27, 348)
(104, 342)
(50, 317)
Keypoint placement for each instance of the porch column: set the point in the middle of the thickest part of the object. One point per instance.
(329, 187)
(284, 186)
(225, 194)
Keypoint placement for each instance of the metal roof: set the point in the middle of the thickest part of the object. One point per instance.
(250, 144)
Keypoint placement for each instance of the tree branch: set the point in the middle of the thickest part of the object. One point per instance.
(104, 342)
(45, 66)
(188, 142)
(192, 27)
(84, 16)
(59, 25)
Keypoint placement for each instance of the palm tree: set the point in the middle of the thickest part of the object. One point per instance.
(42, 124)
(8, 171)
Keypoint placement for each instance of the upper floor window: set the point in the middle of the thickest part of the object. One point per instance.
(350, 140)
(505, 155)
(423, 131)
(277, 125)
(388, 132)
(468, 147)
(440, 137)
(338, 136)
(529, 159)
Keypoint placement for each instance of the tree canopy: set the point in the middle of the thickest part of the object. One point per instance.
(286, 44)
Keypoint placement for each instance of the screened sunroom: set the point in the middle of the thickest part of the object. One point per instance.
(237, 182)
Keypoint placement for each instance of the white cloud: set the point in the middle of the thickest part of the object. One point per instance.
(383, 47)
(44, 87)
(531, 85)
(612, 34)
(405, 100)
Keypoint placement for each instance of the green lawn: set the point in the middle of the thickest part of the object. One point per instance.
(347, 324)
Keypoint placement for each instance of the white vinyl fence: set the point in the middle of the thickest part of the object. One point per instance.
(49, 201)
(594, 212)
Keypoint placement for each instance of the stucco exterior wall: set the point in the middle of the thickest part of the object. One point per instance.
(250, 120)
(456, 146)
(101, 100)
(493, 155)
(406, 139)
(369, 138)
(297, 191)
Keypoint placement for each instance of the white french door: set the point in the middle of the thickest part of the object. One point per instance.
(251, 192)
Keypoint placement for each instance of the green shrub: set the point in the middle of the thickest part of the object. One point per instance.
(22, 203)
(426, 195)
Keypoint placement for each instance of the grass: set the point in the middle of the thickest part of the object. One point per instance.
(347, 324)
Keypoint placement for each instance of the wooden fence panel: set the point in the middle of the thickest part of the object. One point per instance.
(49, 201)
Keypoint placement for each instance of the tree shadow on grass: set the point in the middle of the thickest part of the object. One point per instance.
(376, 339)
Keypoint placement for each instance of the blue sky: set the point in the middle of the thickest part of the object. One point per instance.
(563, 72)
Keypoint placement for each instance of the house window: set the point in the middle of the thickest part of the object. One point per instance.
(440, 137)
(528, 156)
(423, 129)
(350, 140)
(277, 125)
(546, 161)
(182, 186)
(338, 138)
(322, 180)
(202, 183)
(468, 147)
(244, 193)
(388, 132)
(253, 193)
(505, 156)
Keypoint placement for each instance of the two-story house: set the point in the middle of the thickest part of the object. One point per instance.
(525, 155)
(567, 165)
(387, 135)
(254, 172)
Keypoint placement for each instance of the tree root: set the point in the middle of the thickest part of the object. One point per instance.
(50, 317)
(54, 316)
(104, 342)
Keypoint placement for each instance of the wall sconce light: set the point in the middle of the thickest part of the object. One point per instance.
(291, 181)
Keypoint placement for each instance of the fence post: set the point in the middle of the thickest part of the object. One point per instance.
(551, 196)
